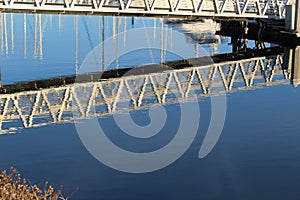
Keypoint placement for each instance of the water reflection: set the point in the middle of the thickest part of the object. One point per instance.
(26, 105)
(98, 95)
(58, 45)
(239, 161)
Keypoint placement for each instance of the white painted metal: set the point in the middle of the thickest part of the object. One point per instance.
(168, 8)
(95, 99)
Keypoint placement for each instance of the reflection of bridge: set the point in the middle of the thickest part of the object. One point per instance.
(169, 8)
(92, 99)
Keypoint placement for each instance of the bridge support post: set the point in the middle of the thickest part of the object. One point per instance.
(296, 67)
(297, 16)
(288, 59)
(290, 17)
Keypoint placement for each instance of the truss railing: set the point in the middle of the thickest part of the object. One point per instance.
(168, 8)
(95, 99)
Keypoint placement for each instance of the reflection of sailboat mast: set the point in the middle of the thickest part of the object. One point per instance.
(161, 40)
(76, 43)
(59, 22)
(102, 44)
(125, 18)
(214, 48)
(132, 22)
(154, 27)
(50, 21)
(5, 34)
(117, 43)
(12, 32)
(99, 25)
(171, 37)
(2, 35)
(165, 43)
(296, 67)
(114, 27)
(35, 36)
(25, 38)
(41, 36)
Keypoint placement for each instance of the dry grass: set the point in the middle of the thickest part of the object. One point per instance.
(13, 187)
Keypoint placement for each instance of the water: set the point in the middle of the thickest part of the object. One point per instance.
(59, 44)
(256, 155)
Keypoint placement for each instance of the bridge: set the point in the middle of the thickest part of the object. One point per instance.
(139, 89)
(228, 9)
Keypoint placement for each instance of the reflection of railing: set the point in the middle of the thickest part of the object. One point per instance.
(83, 100)
(172, 8)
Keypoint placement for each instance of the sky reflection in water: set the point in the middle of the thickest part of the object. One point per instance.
(256, 157)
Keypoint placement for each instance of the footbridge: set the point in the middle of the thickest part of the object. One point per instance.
(65, 99)
(228, 9)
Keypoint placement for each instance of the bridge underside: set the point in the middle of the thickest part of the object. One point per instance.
(217, 9)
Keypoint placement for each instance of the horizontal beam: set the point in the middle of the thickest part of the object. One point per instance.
(208, 9)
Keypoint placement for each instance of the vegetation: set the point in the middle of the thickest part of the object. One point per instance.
(13, 187)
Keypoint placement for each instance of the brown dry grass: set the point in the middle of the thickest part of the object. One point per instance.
(13, 187)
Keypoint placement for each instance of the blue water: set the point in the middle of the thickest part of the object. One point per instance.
(57, 38)
(256, 157)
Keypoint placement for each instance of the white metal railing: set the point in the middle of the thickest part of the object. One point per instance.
(170, 8)
(94, 99)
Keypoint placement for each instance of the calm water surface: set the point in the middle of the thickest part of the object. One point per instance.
(257, 155)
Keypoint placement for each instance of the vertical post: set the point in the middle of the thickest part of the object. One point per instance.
(297, 16)
(246, 29)
(234, 42)
(287, 59)
(289, 17)
(296, 67)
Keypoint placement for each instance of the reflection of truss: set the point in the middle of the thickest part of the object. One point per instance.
(172, 8)
(93, 99)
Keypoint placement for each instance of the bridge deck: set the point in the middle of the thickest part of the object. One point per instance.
(274, 9)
